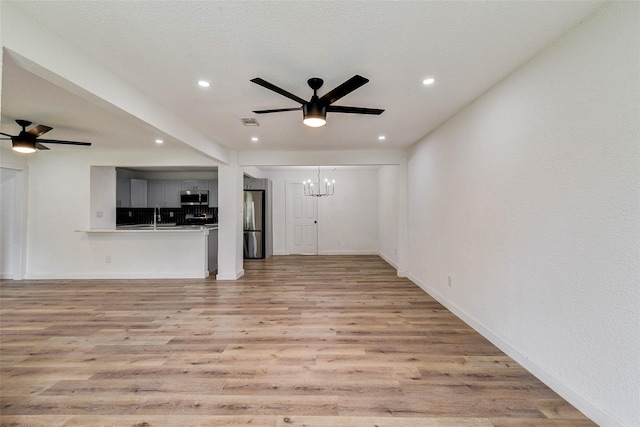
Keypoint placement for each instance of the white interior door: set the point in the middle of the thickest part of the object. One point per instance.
(302, 221)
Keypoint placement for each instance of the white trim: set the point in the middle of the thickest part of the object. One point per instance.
(388, 260)
(236, 276)
(348, 252)
(574, 397)
(117, 276)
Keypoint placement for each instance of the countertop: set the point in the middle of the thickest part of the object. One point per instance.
(159, 228)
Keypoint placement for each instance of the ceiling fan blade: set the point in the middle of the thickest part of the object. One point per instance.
(345, 88)
(353, 110)
(41, 147)
(277, 110)
(5, 134)
(276, 89)
(57, 141)
(39, 130)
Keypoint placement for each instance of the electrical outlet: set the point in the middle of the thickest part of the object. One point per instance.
(449, 281)
(170, 214)
(99, 214)
(130, 214)
(339, 243)
(107, 259)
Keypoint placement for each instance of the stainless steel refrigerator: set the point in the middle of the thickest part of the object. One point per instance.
(254, 224)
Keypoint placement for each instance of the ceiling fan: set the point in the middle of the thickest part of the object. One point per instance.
(315, 110)
(27, 142)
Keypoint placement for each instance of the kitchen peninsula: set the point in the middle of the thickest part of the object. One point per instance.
(164, 251)
(149, 242)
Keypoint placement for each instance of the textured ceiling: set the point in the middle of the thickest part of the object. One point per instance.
(164, 47)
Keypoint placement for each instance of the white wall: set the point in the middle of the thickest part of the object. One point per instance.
(388, 239)
(347, 221)
(102, 215)
(529, 200)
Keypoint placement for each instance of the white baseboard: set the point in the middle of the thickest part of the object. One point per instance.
(582, 403)
(100, 276)
(348, 252)
(231, 276)
(388, 260)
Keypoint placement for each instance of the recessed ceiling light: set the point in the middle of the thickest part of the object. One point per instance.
(203, 83)
(382, 138)
(428, 81)
(159, 141)
(254, 139)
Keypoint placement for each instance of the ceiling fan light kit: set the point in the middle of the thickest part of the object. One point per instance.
(314, 115)
(315, 110)
(22, 146)
(27, 142)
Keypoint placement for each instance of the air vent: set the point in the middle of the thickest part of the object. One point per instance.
(249, 121)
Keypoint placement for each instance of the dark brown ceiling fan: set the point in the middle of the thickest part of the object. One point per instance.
(28, 142)
(315, 110)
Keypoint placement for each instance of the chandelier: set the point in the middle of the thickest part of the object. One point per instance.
(310, 191)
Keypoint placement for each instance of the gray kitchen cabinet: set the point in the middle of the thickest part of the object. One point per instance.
(123, 192)
(155, 193)
(138, 193)
(195, 185)
(163, 193)
(172, 190)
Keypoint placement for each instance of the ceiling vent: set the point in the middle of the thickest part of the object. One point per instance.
(249, 121)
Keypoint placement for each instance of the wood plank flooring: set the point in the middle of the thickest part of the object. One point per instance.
(311, 341)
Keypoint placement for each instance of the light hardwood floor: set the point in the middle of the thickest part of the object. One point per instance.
(298, 341)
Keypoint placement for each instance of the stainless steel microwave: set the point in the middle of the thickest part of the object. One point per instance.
(194, 198)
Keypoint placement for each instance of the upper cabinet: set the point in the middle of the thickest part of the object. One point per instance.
(164, 193)
(172, 190)
(155, 193)
(138, 193)
(123, 192)
(195, 185)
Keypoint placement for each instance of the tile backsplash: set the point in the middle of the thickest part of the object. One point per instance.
(129, 216)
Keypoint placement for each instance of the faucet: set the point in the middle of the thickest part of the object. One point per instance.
(156, 216)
